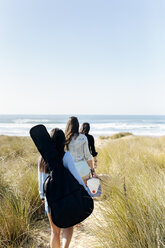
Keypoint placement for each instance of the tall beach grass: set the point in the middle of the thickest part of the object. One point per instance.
(134, 208)
(131, 213)
(20, 205)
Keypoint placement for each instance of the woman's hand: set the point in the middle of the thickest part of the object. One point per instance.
(93, 173)
(95, 164)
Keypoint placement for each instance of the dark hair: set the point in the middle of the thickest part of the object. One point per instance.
(85, 128)
(58, 137)
(72, 128)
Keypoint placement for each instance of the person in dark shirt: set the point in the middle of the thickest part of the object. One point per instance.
(91, 143)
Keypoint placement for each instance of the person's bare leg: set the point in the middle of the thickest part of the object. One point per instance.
(55, 234)
(66, 236)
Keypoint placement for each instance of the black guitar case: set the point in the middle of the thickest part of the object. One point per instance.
(68, 201)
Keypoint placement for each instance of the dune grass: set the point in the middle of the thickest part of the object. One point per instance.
(20, 205)
(134, 208)
(120, 135)
(116, 135)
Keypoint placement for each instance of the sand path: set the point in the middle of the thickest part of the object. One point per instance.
(83, 237)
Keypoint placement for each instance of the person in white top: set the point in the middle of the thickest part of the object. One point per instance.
(58, 138)
(77, 145)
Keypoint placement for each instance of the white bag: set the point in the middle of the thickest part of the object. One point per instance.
(93, 185)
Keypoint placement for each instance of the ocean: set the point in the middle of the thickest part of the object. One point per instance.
(145, 125)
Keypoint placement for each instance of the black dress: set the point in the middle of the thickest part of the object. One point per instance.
(91, 144)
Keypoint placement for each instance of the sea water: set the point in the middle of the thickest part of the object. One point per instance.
(150, 125)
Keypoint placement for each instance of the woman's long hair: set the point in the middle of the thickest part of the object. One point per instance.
(58, 137)
(72, 129)
(85, 128)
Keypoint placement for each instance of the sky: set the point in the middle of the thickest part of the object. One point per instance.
(82, 57)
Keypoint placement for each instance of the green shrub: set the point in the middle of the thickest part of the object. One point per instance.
(104, 137)
(120, 135)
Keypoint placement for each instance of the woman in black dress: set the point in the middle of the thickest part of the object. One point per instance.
(91, 143)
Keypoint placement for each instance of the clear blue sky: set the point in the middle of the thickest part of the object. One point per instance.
(82, 56)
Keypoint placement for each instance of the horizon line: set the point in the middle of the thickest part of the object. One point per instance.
(91, 114)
